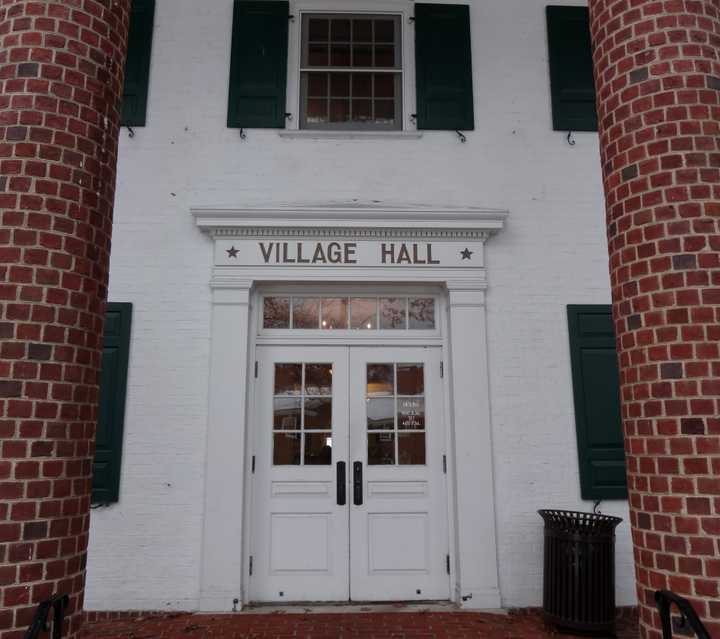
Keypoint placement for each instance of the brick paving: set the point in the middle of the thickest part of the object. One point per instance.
(430, 625)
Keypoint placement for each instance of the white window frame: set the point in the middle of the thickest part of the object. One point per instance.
(407, 52)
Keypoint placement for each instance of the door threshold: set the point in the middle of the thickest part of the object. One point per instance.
(352, 607)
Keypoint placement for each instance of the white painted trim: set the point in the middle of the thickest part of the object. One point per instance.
(222, 558)
(351, 220)
(234, 336)
(314, 134)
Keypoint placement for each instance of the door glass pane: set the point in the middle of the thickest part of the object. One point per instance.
(306, 408)
(411, 413)
(411, 448)
(381, 413)
(306, 312)
(410, 379)
(334, 313)
(398, 409)
(276, 312)
(381, 448)
(286, 413)
(380, 379)
(393, 313)
(363, 313)
(318, 413)
(422, 313)
(286, 449)
(288, 379)
(318, 379)
(318, 449)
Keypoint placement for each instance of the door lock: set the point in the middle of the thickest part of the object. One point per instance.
(357, 484)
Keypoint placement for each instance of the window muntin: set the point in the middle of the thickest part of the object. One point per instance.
(351, 72)
(302, 414)
(404, 313)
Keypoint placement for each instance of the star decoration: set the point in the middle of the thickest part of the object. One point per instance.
(466, 254)
(232, 252)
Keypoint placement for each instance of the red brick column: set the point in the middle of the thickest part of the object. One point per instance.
(61, 67)
(657, 67)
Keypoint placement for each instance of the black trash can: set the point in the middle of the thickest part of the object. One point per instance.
(579, 574)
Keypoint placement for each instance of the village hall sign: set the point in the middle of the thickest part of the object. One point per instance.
(360, 253)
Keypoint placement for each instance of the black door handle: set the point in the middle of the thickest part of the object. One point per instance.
(341, 485)
(357, 484)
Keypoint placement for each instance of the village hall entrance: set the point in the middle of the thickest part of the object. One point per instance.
(349, 489)
(349, 452)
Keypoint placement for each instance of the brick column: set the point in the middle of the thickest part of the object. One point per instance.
(657, 67)
(61, 67)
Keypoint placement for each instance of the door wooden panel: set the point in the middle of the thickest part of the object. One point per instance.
(386, 538)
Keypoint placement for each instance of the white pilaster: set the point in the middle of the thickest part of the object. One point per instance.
(476, 566)
(222, 560)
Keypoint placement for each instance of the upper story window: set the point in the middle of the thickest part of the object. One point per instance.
(351, 72)
(373, 67)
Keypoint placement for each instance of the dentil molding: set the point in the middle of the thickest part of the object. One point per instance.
(350, 221)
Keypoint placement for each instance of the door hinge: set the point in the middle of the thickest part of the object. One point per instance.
(252, 470)
(256, 369)
(251, 562)
(447, 563)
(444, 464)
(442, 370)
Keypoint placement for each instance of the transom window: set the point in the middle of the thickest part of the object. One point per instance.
(354, 313)
(351, 72)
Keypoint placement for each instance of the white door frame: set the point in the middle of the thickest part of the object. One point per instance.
(474, 570)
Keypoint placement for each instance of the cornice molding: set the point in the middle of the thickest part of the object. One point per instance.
(361, 222)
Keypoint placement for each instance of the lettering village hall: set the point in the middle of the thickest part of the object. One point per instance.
(365, 257)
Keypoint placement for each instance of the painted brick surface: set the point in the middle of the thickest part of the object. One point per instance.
(61, 65)
(145, 551)
(657, 67)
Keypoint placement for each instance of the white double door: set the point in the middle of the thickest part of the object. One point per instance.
(349, 495)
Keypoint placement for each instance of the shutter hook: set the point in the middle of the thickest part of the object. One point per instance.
(596, 507)
(243, 135)
(462, 137)
(289, 117)
(131, 132)
(570, 138)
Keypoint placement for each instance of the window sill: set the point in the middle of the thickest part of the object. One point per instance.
(309, 134)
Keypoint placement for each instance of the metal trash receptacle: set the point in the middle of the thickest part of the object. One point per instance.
(579, 570)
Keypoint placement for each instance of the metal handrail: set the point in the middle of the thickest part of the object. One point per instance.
(56, 603)
(664, 600)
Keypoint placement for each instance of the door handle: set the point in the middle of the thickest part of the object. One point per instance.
(341, 485)
(357, 484)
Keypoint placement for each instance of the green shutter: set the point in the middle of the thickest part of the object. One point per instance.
(113, 383)
(137, 65)
(596, 388)
(443, 65)
(571, 69)
(258, 65)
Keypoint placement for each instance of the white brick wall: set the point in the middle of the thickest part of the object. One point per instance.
(145, 551)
